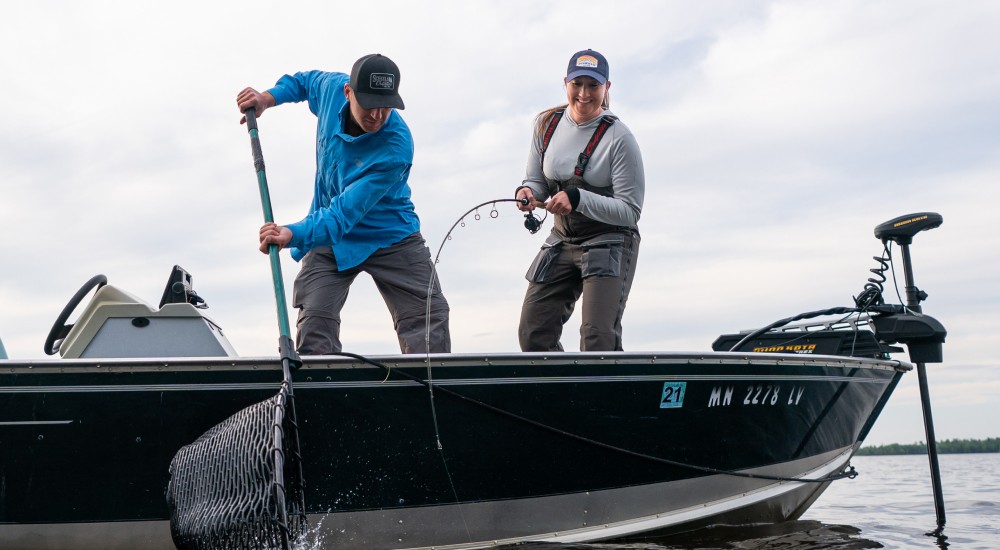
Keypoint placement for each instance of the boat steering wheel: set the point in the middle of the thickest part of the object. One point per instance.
(60, 329)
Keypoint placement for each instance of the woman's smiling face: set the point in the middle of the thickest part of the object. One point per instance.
(585, 96)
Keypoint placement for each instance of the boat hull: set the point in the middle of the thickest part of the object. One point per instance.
(505, 447)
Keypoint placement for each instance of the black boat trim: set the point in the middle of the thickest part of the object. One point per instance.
(115, 388)
(65, 366)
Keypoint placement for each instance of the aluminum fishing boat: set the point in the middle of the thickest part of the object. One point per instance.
(449, 450)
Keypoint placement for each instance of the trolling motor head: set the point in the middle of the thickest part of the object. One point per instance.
(922, 334)
(902, 229)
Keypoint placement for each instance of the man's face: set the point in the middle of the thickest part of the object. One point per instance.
(370, 120)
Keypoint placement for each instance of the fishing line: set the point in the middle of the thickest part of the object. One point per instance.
(532, 224)
(494, 213)
(851, 473)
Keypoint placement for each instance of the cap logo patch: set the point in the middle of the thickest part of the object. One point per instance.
(382, 81)
(587, 61)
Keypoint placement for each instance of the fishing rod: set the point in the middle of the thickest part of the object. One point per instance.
(531, 222)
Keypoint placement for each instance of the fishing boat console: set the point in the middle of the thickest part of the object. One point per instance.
(116, 323)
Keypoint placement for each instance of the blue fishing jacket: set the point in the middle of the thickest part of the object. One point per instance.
(361, 201)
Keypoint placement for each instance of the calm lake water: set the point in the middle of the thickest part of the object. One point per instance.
(889, 505)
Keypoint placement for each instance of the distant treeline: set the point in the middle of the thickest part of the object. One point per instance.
(989, 445)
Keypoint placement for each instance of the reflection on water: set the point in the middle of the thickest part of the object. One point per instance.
(800, 535)
(792, 534)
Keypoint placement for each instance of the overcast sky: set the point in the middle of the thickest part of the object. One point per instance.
(775, 136)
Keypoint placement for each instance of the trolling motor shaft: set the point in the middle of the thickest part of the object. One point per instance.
(922, 334)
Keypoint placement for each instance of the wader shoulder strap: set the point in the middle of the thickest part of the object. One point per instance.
(584, 158)
(547, 136)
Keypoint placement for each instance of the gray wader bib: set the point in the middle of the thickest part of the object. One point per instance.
(584, 258)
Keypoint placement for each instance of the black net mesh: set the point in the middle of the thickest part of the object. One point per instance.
(225, 490)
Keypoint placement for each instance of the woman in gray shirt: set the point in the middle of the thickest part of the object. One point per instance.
(586, 166)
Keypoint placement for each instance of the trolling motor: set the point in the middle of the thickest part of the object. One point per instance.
(922, 334)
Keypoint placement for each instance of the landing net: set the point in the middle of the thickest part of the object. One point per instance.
(227, 490)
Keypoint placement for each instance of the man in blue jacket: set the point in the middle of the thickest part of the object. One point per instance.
(361, 218)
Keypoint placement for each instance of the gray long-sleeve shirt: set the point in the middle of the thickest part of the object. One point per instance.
(617, 162)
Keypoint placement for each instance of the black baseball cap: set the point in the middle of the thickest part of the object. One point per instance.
(375, 81)
(588, 63)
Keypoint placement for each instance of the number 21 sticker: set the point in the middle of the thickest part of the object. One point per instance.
(673, 395)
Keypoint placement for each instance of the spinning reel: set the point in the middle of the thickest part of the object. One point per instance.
(531, 222)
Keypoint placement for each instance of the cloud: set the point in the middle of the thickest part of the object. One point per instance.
(775, 136)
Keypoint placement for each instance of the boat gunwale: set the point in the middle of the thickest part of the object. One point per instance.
(326, 362)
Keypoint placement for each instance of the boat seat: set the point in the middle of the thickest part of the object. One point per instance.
(118, 324)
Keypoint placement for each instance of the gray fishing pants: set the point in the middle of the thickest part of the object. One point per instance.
(600, 270)
(402, 273)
